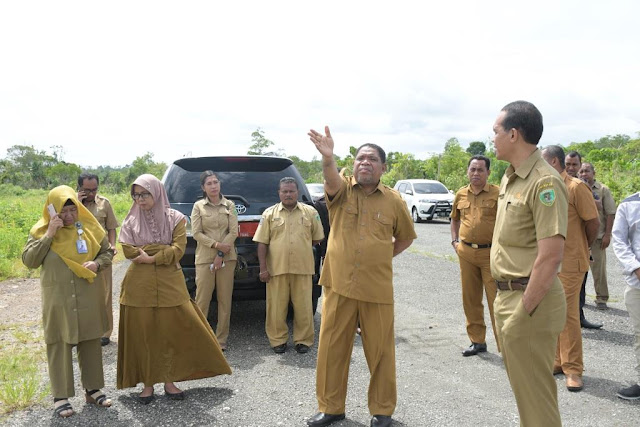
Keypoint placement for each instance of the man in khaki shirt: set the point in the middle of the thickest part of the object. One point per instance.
(582, 229)
(370, 224)
(472, 219)
(606, 213)
(526, 252)
(285, 236)
(101, 209)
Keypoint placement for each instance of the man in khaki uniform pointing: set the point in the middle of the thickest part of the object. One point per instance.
(370, 224)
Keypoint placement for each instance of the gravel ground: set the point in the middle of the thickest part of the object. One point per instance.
(436, 385)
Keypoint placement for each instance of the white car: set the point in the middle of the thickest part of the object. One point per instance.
(426, 199)
(316, 190)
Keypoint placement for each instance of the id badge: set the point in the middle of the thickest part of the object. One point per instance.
(81, 246)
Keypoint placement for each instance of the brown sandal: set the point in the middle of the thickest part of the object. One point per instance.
(98, 398)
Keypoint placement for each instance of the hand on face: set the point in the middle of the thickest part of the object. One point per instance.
(54, 225)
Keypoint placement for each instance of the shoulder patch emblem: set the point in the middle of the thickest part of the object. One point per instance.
(547, 196)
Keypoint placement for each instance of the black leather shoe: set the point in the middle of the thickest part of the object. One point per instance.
(381, 420)
(588, 325)
(174, 396)
(302, 348)
(145, 400)
(104, 341)
(279, 349)
(474, 349)
(321, 419)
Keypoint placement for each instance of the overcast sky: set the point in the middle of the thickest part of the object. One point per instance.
(112, 80)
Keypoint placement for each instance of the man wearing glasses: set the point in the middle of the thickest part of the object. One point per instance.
(101, 209)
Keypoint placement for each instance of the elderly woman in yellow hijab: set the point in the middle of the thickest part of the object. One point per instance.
(71, 247)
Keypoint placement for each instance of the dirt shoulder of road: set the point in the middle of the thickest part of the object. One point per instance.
(19, 304)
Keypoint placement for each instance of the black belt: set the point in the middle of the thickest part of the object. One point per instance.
(513, 284)
(475, 246)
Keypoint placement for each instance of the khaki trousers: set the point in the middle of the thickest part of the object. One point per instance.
(599, 271)
(475, 275)
(528, 344)
(632, 301)
(280, 290)
(340, 316)
(106, 279)
(569, 351)
(60, 359)
(222, 282)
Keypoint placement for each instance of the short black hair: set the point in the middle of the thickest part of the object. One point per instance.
(288, 180)
(588, 164)
(525, 118)
(89, 176)
(381, 153)
(574, 153)
(557, 152)
(486, 160)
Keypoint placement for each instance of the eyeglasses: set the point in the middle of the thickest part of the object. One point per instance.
(89, 191)
(142, 196)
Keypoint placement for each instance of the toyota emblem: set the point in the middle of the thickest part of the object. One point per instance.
(241, 209)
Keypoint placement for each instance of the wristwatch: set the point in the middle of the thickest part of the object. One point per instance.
(221, 254)
(455, 241)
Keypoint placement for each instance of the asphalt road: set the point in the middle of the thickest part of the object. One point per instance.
(436, 385)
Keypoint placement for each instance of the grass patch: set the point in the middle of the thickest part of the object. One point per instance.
(22, 356)
(450, 258)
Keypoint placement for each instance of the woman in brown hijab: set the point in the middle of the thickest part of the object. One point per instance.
(163, 336)
(71, 247)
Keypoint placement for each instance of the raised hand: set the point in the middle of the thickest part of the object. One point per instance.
(54, 225)
(323, 143)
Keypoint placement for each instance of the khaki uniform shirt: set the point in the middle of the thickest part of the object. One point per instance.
(582, 208)
(72, 308)
(156, 285)
(211, 224)
(601, 192)
(358, 263)
(532, 205)
(103, 212)
(477, 214)
(289, 235)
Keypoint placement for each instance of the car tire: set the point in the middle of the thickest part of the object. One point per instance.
(415, 216)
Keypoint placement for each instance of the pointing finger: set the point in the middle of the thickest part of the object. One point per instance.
(327, 132)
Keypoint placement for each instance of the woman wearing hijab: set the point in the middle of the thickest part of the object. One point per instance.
(214, 223)
(71, 247)
(163, 337)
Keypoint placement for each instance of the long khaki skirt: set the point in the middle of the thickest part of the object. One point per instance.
(166, 344)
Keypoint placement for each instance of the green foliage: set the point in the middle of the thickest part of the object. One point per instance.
(476, 148)
(21, 382)
(261, 145)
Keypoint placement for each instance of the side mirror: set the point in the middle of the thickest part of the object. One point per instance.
(409, 192)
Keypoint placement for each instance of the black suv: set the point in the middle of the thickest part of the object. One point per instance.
(252, 183)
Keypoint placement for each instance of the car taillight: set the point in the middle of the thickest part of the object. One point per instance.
(247, 229)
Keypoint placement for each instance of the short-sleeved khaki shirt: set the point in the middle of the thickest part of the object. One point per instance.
(477, 213)
(101, 209)
(212, 223)
(358, 263)
(289, 235)
(532, 205)
(582, 208)
(608, 207)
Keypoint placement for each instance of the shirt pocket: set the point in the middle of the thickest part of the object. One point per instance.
(489, 210)
(382, 226)
(349, 216)
(465, 208)
(518, 229)
(277, 227)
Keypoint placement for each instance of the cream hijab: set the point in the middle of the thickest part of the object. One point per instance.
(142, 227)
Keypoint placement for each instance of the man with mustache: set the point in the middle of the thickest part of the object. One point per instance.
(285, 236)
(370, 224)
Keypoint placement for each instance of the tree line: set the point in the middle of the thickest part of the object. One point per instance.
(615, 159)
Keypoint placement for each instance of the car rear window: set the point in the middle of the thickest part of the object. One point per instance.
(430, 188)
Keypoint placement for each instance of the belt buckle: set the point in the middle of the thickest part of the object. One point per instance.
(474, 246)
(509, 285)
